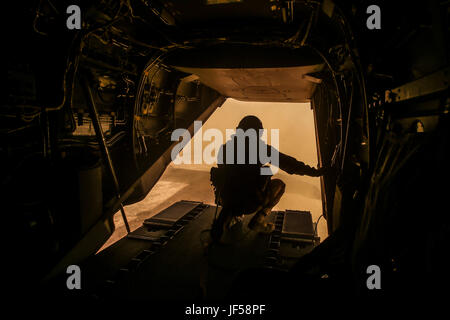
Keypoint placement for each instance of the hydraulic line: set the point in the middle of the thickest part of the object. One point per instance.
(102, 144)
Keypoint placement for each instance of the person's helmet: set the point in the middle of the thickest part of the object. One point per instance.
(250, 122)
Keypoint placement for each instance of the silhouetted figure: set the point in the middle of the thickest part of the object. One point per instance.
(241, 188)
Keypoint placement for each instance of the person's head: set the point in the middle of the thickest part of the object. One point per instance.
(250, 122)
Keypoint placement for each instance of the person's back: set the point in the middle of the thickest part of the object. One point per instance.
(240, 161)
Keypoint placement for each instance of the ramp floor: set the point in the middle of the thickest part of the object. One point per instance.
(176, 262)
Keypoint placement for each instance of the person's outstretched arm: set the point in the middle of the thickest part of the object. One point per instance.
(293, 166)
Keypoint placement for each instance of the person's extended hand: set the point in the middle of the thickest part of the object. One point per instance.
(322, 171)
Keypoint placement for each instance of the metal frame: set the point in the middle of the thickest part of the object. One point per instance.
(102, 144)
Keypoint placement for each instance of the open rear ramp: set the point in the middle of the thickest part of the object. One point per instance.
(170, 256)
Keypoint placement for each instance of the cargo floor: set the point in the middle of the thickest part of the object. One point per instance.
(174, 262)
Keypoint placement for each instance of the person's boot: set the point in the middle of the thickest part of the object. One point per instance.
(258, 223)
